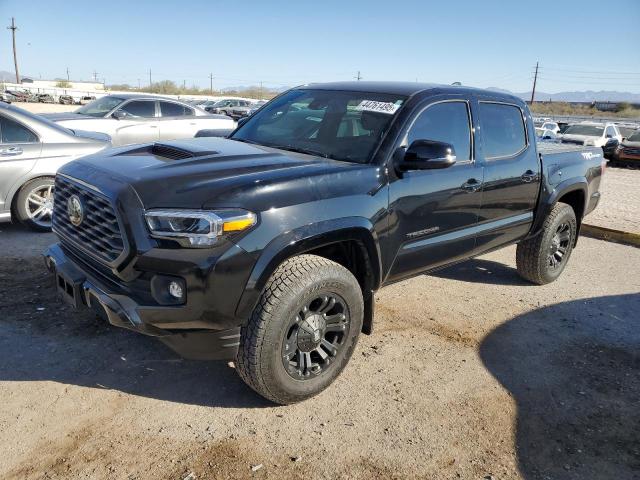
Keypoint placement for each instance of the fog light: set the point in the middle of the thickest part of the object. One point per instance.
(175, 290)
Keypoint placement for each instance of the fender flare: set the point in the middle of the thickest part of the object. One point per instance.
(304, 239)
(567, 186)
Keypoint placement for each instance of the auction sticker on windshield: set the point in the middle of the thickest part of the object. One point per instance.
(380, 107)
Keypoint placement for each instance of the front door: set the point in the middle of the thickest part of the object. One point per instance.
(139, 124)
(433, 212)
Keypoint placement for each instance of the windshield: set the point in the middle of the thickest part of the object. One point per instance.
(341, 125)
(635, 137)
(101, 106)
(626, 131)
(590, 130)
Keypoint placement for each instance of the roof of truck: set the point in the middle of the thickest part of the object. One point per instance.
(403, 88)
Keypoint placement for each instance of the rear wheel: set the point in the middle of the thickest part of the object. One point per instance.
(543, 258)
(303, 331)
(34, 204)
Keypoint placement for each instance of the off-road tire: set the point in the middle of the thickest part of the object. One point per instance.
(20, 204)
(259, 360)
(532, 255)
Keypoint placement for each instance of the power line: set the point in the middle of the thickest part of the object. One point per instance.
(13, 29)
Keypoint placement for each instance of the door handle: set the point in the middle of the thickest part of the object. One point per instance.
(9, 151)
(471, 185)
(529, 176)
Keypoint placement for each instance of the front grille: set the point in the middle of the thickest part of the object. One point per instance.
(631, 150)
(98, 233)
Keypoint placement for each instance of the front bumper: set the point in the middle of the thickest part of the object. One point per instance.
(81, 289)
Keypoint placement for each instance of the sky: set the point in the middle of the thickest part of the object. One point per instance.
(581, 45)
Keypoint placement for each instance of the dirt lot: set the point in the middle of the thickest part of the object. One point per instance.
(471, 373)
(618, 207)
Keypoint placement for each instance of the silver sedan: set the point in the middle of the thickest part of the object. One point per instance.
(31, 151)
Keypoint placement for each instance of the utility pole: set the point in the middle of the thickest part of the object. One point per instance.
(149, 77)
(95, 76)
(358, 76)
(68, 79)
(211, 83)
(184, 84)
(535, 79)
(260, 90)
(13, 29)
(138, 84)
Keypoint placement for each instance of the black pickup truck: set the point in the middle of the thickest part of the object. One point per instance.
(266, 247)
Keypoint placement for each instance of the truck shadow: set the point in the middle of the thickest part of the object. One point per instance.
(83, 351)
(573, 370)
(479, 270)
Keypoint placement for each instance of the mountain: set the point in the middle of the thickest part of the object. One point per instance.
(587, 96)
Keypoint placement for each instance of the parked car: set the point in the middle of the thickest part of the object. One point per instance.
(18, 95)
(267, 247)
(553, 126)
(629, 150)
(224, 107)
(65, 99)
(603, 135)
(7, 97)
(247, 110)
(31, 151)
(135, 118)
(44, 98)
(85, 100)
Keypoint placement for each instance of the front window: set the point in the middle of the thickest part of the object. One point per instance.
(341, 125)
(101, 106)
(589, 130)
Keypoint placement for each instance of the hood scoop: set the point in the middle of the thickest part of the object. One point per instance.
(176, 153)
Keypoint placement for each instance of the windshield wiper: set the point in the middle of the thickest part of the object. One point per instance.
(307, 151)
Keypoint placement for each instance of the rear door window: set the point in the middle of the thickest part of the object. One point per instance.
(170, 109)
(503, 130)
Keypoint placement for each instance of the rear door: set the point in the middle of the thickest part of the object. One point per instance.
(511, 174)
(433, 213)
(20, 149)
(140, 124)
(176, 121)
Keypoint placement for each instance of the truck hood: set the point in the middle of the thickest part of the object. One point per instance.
(219, 173)
(627, 143)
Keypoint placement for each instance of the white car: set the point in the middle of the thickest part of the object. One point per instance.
(553, 126)
(134, 118)
(591, 134)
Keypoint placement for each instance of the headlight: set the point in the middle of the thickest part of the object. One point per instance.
(197, 228)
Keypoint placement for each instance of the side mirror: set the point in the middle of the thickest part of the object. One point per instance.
(428, 155)
(118, 114)
(242, 121)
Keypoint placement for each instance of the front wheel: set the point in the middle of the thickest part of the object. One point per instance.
(34, 204)
(542, 259)
(303, 330)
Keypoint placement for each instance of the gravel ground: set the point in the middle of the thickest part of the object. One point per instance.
(471, 373)
(620, 203)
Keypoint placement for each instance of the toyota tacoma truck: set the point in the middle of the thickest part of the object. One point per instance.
(266, 247)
